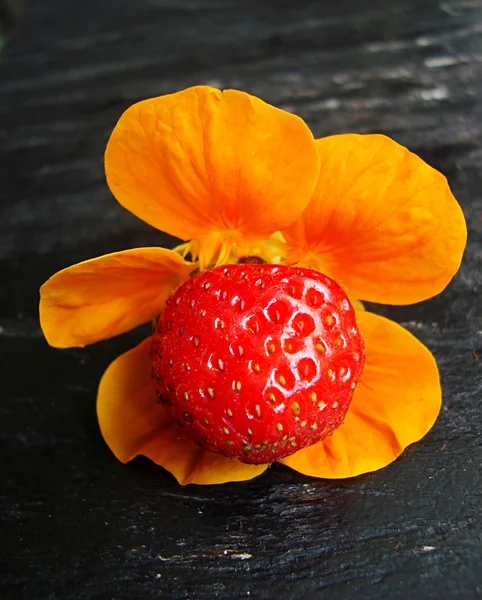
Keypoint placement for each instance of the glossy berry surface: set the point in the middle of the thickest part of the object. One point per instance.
(257, 361)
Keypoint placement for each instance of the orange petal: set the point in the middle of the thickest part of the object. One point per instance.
(133, 422)
(357, 305)
(395, 404)
(105, 296)
(381, 222)
(208, 165)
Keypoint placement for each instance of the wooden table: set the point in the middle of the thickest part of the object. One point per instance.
(75, 523)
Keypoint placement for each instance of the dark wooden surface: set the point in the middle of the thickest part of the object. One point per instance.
(74, 523)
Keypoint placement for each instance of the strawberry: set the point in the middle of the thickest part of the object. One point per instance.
(256, 361)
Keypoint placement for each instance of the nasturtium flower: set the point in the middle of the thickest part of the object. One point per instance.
(233, 176)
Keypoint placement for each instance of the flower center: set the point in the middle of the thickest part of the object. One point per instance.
(227, 247)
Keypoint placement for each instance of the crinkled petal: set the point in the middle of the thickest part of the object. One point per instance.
(132, 422)
(381, 222)
(396, 403)
(207, 165)
(106, 296)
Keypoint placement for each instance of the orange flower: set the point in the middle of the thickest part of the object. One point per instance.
(232, 176)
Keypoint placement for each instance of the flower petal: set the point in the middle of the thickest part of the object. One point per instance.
(109, 295)
(357, 305)
(381, 222)
(201, 162)
(396, 403)
(133, 422)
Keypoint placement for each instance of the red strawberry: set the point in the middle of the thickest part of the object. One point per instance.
(256, 361)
